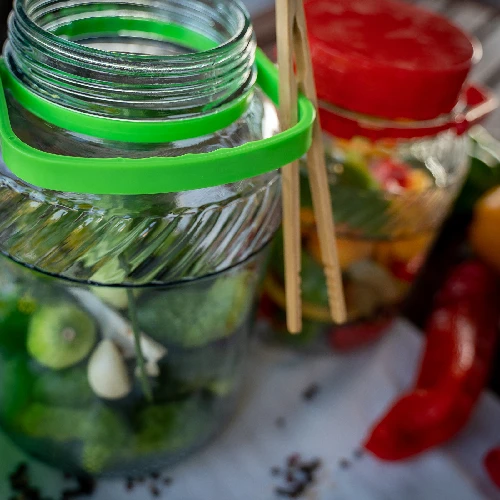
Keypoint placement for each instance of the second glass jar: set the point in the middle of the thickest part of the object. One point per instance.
(393, 108)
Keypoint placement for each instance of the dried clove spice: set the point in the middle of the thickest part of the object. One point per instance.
(85, 486)
(155, 483)
(310, 392)
(275, 471)
(280, 422)
(298, 475)
(21, 485)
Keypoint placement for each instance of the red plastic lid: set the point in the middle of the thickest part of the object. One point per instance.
(387, 58)
(477, 103)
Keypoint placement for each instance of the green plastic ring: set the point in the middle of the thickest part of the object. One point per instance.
(127, 176)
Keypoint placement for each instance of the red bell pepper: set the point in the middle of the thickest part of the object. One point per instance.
(392, 174)
(461, 336)
(492, 465)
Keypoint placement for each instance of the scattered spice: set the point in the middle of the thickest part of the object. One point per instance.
(155, 483)
(280, 422)
(298, 475)
(129, 484)
(358, 453)
(275, 471)
(85, 487)
(308, 469)
(293, 460)
(344, 463)
(296, 492)
(20, 484)
(310, 392)
(19, 479)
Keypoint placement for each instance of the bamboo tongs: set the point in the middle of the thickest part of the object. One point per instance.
(293, 47)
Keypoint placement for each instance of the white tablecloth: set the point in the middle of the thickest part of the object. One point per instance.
(353, 391)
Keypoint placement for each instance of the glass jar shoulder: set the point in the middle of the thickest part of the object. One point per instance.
(171, 235)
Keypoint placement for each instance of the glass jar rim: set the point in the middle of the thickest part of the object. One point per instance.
(82, 71)
(54, 40)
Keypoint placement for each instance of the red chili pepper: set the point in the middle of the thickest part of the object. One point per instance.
(450, 350)
(470, 279)
(461, 335)
(492, 465)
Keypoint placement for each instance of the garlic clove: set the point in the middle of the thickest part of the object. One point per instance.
(152, 350)
(152, 369)
(114, 327)
(107, 372)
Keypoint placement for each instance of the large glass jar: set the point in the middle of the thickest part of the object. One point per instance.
(124, 318)
(389, 77)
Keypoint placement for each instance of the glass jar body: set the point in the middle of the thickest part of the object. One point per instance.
(125, 317)
(83, 409)
(193, 273)
(389, 198)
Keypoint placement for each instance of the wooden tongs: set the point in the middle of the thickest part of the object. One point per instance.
(293, 48)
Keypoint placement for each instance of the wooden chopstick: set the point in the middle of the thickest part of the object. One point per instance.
(291, 31)
(317, 172)
(285, 20)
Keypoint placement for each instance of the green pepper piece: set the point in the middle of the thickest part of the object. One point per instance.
(357, 203)
(314, 288)
(361, 210)
(355, 172)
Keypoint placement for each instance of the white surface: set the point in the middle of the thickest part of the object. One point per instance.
(354, 390)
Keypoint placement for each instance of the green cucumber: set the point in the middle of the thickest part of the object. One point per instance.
(193, 317)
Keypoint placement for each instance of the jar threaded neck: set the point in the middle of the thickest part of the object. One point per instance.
(132, 75)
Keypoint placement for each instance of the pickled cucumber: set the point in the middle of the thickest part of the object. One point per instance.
(60, 336)
(191, 317)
